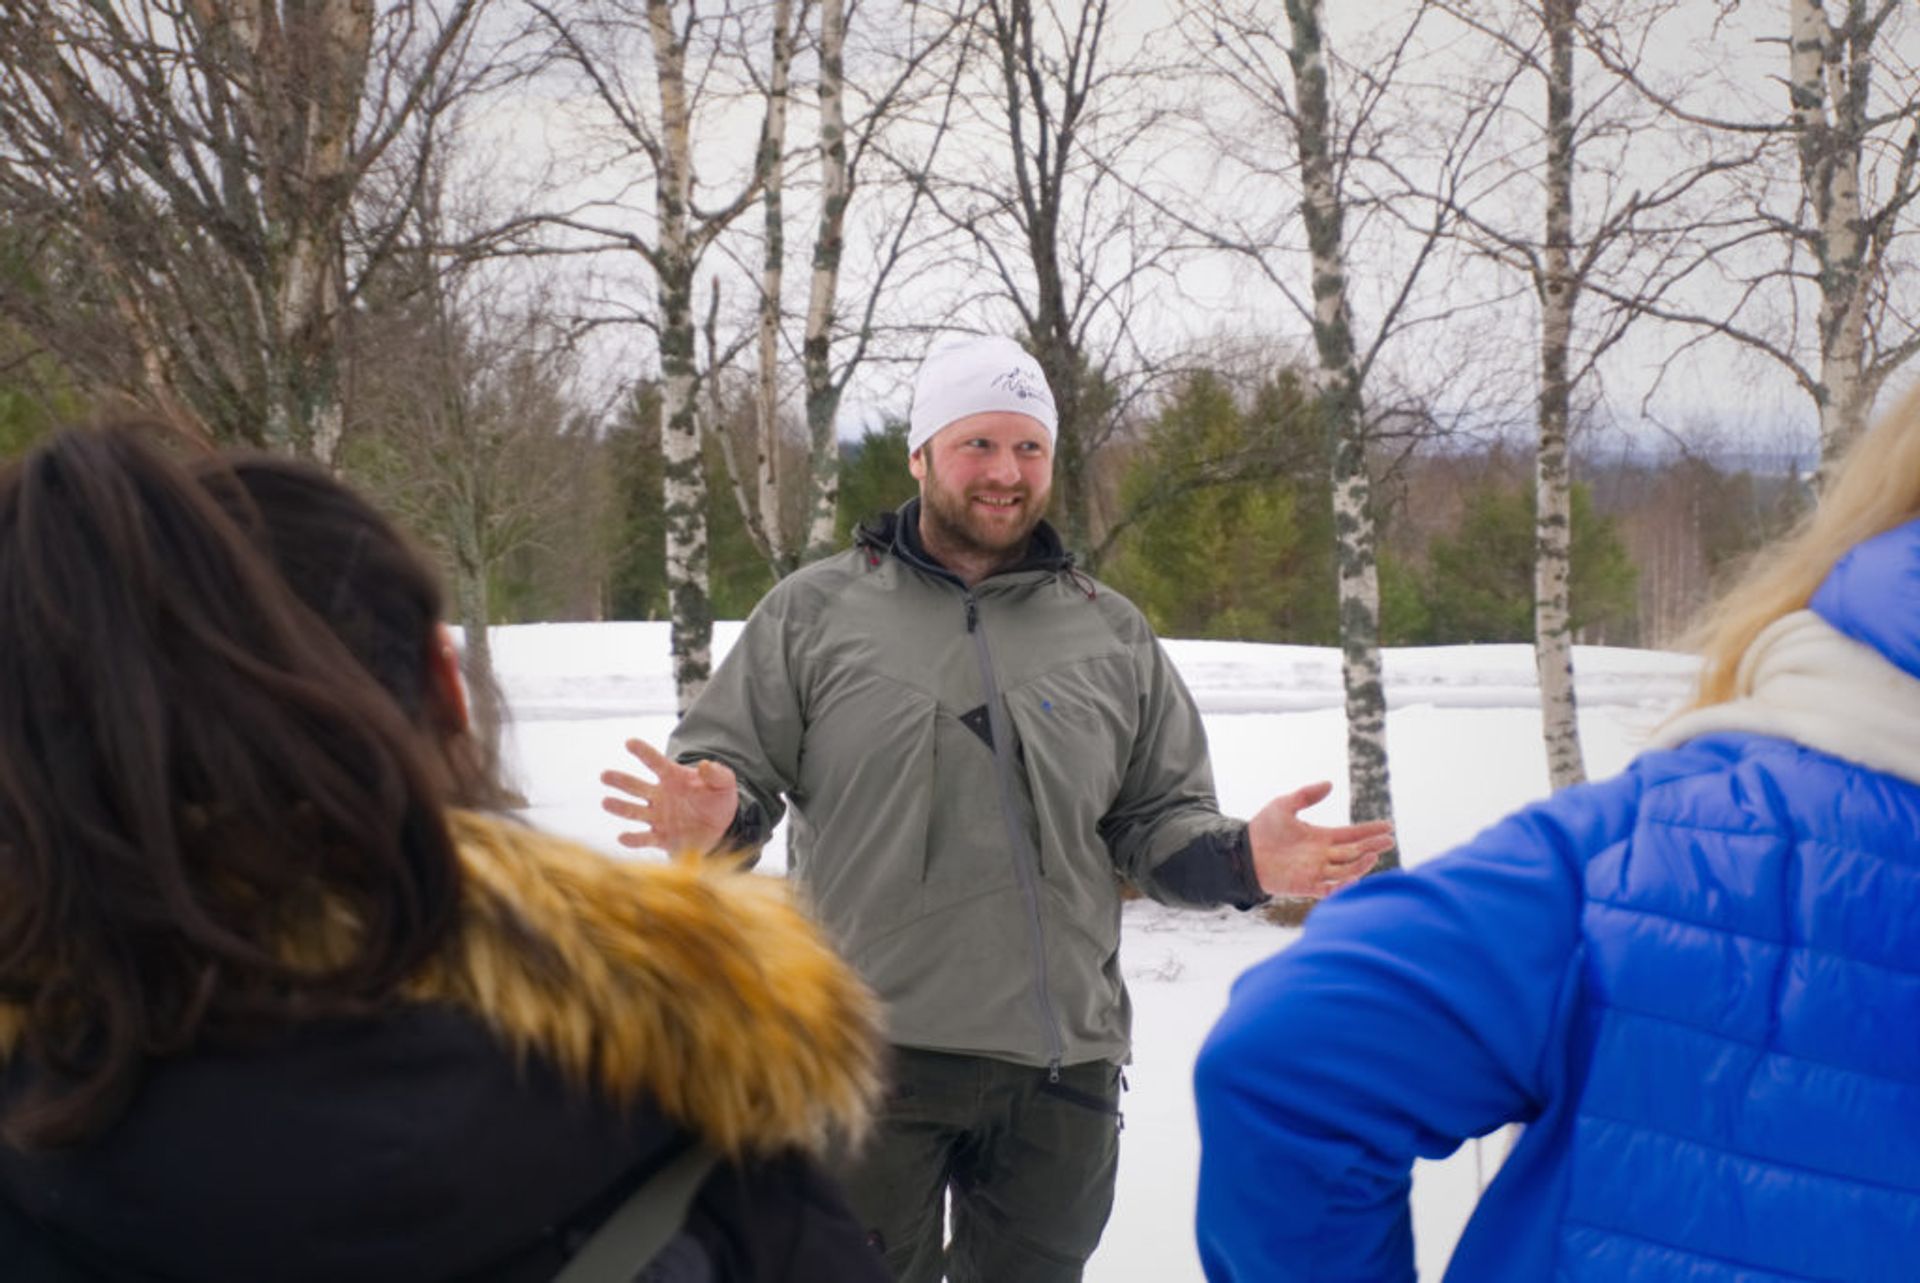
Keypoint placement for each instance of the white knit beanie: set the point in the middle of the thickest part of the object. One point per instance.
(975, 376)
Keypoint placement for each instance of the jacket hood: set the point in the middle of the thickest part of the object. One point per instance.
(691, 983)
(1804, 680)
(1872, 595)
(589, 1015)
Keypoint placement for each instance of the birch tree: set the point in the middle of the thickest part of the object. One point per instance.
(1593, 268)
(760, 494)
(1338, 383)
(831, 346)
(829, 245)
(1834, 120)
(652, 70)
(209, 161)
(1282, 136)
(837, 171)
(1553, 482)
(1824, 223)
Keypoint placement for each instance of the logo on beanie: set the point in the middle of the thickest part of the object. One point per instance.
(977, 376)
(1018, 383)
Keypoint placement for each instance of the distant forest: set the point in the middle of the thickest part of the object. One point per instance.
(1228, 534)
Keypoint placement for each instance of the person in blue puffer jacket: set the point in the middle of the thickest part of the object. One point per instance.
(1697, 984)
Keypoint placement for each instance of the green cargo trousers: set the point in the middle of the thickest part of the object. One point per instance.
(1029, 1164)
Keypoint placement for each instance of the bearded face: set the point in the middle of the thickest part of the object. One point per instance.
(984, 483)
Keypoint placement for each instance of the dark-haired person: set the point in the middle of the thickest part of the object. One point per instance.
(372, 588)
(1696, 983)
(270, 1010)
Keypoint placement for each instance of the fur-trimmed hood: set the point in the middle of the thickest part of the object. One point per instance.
(586, 1016)
(699, 986)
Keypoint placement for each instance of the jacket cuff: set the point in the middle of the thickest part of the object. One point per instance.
(748, 830)
(1214, 868)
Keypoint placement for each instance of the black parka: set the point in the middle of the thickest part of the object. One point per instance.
(453, 1137)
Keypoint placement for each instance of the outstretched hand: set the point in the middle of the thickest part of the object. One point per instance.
(1295, 860)
(683, 810)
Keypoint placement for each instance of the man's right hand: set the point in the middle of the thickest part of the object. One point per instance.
(683, 810)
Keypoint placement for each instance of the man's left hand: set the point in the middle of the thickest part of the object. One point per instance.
(1295, 860)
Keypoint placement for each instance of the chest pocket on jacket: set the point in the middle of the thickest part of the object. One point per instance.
(1077, 726)
(968, 852)
(867, 780)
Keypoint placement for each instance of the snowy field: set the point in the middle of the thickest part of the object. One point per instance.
(1464, 744)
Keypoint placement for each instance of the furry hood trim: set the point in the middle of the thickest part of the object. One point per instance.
(692, 988)
(694, 984)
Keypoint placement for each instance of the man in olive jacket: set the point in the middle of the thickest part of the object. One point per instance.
(973, 737)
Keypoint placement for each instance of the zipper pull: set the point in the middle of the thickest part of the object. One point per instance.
(973, 613)
(1053, 1071)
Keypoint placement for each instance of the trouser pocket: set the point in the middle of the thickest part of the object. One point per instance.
(1036, 1204)
(1099, 1103)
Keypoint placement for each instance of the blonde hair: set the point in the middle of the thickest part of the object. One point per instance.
(1875, 488)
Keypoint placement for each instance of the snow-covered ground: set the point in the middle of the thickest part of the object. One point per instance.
(1464, 745)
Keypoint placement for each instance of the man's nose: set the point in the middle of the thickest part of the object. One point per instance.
(1003, 468)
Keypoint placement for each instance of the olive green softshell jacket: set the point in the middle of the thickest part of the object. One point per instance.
(973, 889)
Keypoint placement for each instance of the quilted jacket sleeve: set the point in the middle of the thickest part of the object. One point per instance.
(1417, 1011)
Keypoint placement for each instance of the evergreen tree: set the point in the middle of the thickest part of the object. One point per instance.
(1231, 535)
(1479, 580)
(873, 477)
(1404, 619)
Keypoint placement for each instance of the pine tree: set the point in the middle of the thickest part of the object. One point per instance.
(1235, 538)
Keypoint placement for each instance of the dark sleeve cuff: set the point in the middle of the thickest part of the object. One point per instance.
(749, 830)
(1214, 868)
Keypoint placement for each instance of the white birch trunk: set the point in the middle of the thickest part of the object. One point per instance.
(1553, 517)
(823, 396)
(1829, 97)
(1338, 383)
(765, 522)
(684, 502)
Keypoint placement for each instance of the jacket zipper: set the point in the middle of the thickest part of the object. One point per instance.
(1026, 860)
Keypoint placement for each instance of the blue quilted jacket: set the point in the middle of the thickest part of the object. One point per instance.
(1697, 983)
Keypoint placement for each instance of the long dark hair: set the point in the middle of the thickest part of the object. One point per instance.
(368, 583)
(190, 771)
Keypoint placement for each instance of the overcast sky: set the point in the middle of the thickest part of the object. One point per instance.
(537, 140)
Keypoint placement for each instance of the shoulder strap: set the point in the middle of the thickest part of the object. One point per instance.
(641, 1226)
